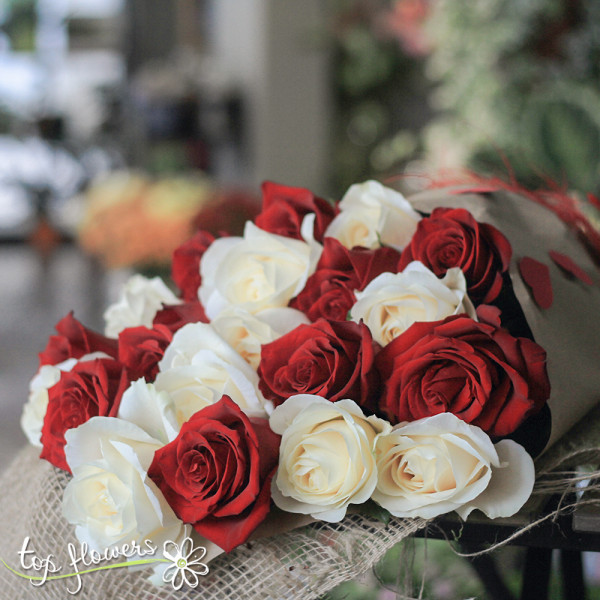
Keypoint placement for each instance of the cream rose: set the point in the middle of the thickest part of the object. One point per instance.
(372, 214)
(140, 299)
(151, 410)
(199, 366)
(441, 464)
(34, 411)
(259, 271)
(392, 302)
(110, 498)
(246, 333)
(326, 459)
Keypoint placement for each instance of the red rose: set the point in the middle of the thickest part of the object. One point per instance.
(216, 474)
(141, 349)
(329, 291)
(330, 359)
(74, 341)
(93, 388)
(284, 209)
(326, 295)
(476, 371)
(185, 268)
(174, 317)
(451, 237)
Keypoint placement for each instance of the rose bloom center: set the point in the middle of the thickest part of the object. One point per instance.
(319, 462)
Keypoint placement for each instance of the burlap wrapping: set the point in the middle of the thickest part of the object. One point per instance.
(305, 563)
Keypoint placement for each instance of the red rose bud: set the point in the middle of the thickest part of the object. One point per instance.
(216, 474)
(330, 359)
(141, 349)
(478, 372)
(185, 268)
(91, 389)
(327, 295)
(74, 341)
(176, 316)
(451, 237)
(284, 209)
(329, 291)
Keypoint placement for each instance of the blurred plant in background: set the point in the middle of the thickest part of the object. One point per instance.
(459, 84)
(431, 569)
(432, 564)
(18, 20)
(380, 86)
(518, 81)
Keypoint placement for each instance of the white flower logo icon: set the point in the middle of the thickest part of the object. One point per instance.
(186, 565)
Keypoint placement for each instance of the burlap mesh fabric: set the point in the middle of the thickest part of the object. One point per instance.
(303, 563)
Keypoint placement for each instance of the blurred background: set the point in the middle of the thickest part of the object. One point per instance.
(125, 124)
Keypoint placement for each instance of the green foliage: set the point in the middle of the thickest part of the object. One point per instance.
(373, 510)
(445, 575)
(378, 91)
(366, 62)
(20, 24)
(520, 79)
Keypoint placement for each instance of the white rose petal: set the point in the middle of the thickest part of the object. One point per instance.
(246, 333)
(372, 214)
(188, 393)
(510, 486)
(392, 302)
(140, 299)
(259, 271)
(110, 498)
(199, 366)
(34, 411)
(326, 457)
(441, 464)
(151, 410)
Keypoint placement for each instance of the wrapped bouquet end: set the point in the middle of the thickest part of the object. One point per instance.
(416, 354)
(555, 274)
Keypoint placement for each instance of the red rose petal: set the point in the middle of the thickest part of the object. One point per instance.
(568, 264)
(478, 372)
(486, 313)
(537, 276)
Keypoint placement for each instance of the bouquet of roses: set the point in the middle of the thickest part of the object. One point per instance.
(370, 351)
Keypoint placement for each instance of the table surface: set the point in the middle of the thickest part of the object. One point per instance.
(579, 530)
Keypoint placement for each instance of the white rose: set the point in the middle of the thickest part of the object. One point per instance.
(110, 499)
(392, 302)
(259, 271)
(34, 411)
(140, 299)
(199, 366)
(326, 459)
(151, 410)
(372, 214)
(441, 464)
(246, 333)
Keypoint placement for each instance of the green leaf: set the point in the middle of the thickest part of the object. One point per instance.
(373, 510)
